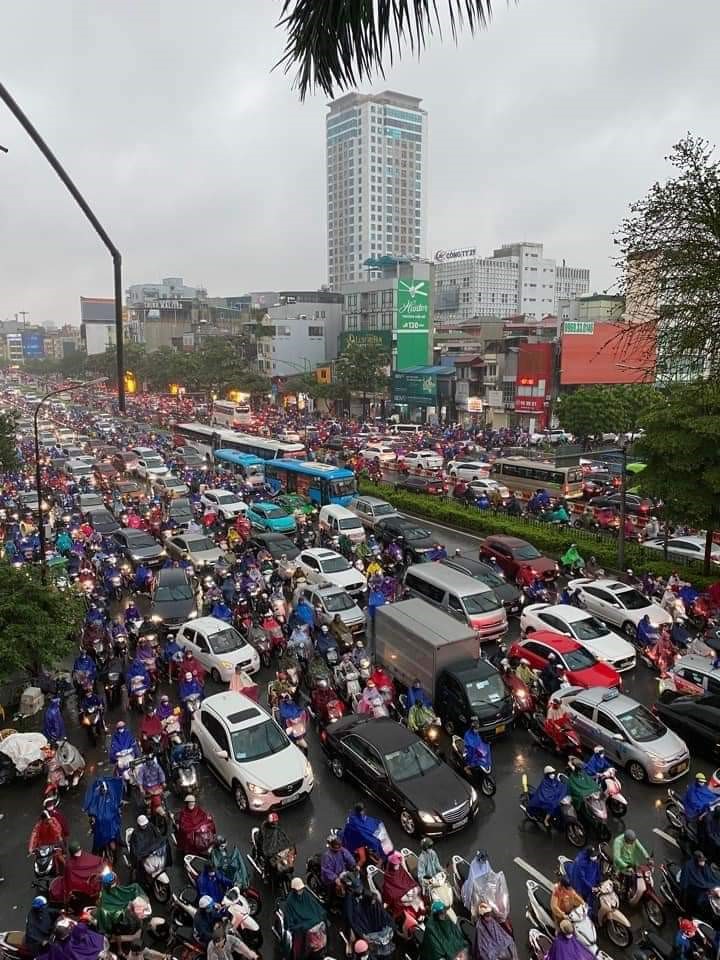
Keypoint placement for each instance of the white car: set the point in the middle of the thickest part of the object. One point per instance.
(326, 566)
(218, 647)
(427, 459)
(618, 604)
(249, 753)
(379, 452)
(225, 504)
(468, 469)
(590, 633)
(150, 467)
(486, 485)
(692, 547)
(170, 484)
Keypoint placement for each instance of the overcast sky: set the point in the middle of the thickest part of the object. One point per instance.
(201, 163)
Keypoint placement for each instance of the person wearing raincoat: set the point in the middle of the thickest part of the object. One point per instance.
(566, 945)
(230, 863)
(102, 804)
(598, 762)
(442, 938)
(698, 797)
(545, 799)
(53, 722)
(571, 559)
(579, 783)
(584, 874)
(492, 941)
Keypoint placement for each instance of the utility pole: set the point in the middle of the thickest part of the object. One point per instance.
(23, 314)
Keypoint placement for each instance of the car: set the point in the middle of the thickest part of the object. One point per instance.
(467, 469)
(198, 548)
(695, 719)
(277, 545)
(590, 633)
(149, 467)
(226, 504)
(416, 541)
(294, 503)
(192, 461)
(397, 769)
(88, 500)
(582, 668)
(180, 514)
(102, 521)
(428, 485)
(264, 515)
(170, 485)
(684, 548)
(105, 472)
(173, 600)
(550, 436)
(476, 488)
(690, 676)
(514, 556)
(371, 509)
(125, 461)
(330, 600)
(507, 593)
(129, 490)
(617, 603)
(425, 459)
(72, 452)
(596, 484)
(634, 504)
(633, 737)
(322, 565)
(139, 547)
(249, 753)
(378, 452)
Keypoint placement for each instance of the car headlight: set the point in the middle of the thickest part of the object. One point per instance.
(192, 614)
(226, 665)
(156, 618)
(256, 790)
(429, 818)
(308, 772)
(163, 553)
(473, 795)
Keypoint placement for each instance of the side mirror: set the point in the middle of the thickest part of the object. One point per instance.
(619, 737)
(221, 754)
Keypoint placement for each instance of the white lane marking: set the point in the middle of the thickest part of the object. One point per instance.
(442, 526)
(529, 868)
(666, 837)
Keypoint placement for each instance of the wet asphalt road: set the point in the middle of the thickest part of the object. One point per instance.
(512, 844)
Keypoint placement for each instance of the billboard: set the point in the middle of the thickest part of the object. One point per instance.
(412, 323)
(32, 346)
(373, 338)
(417, 389)
(610, 353)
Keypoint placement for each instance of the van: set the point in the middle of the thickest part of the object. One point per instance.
(413, 429)
(79, 470)
(339, 521)
(460, 596)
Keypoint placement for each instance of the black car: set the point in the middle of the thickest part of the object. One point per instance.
(633, 503)
(139, 547)
(473, 688)
(173, 600)
(428, 485)
(277, 545)
(507, 593)
(101, 520)
(416, 541)
(695, 719)
(401, 772)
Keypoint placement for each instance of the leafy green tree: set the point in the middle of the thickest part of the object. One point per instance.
(670, 255)
(681, 447)
(8, 444)
(594, 410)
(38, 624)
(362, 368)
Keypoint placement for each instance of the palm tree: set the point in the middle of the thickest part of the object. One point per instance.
(343, 42)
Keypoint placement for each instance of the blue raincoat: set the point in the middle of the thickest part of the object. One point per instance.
(305, 613)
(221, 611)
(122, 740)
(210, 883)
(85, 664)
(53, 722)
(584, 874)
(359, 831)
(547, 796)
(418, 695)
(598, 763)
(647, 634)
(102, 802)
(136, 669)
(477, 750)
(289, 710)
(187, 688)
(376, 598)
(698, 797)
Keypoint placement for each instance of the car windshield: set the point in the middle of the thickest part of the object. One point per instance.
(141, 541)
(343, 488)
(153, 462)
(174, 482)
(641, 725)
(589, 629)
(633, 600)
(414, 533)
(275, 512)
(334, 602)
(491, 579)
(527, 552)
(226, 498)
(200, 545)
(480, 603)
(225, 641)
(414, 760)
(579, 660)
(490, 689)
(178, 591)
(350, 524)
(334, 565)
(382, 509)
(259, 741)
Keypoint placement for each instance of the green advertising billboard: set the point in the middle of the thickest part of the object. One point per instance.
(416, 389)
(413, 323)
(371, 338)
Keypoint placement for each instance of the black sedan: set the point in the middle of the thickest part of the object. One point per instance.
(416, 541)
(173, 601)
(277, 545)
(401, 772)
(695, 719)
(633, 503)
(427, 485)
(102, 521)
(139, 547)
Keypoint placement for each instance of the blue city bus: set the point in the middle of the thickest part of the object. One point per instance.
(250, 469)
(321, 483)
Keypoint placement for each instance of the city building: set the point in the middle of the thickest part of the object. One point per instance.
(97, 324)
(571, 282)
(171, 288)
(596, 308)
(299, 331)
(61, 343)
(376, 176)
(518, 279)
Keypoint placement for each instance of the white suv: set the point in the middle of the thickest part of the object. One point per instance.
(468, 469)
(249, 753)
(427, 459)
(379, 452)
(226, 504)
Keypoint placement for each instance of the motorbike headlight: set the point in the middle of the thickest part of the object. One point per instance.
(156, 618)
(256, 790)
(429, 818)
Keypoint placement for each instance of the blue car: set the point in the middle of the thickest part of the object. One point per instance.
(269, 516)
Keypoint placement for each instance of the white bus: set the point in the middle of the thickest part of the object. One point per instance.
(227, 413)
(207, 439)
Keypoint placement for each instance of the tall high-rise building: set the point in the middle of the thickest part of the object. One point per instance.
(376, 166)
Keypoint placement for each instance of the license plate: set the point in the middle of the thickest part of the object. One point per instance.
(287, 800)
(500, 728)
(681, 767)
(462, 823)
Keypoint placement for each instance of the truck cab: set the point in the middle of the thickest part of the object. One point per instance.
(473, 688)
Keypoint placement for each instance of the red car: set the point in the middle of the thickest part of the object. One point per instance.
(514, 556)
(582, 669)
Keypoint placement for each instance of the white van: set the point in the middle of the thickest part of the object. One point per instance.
(459, 595)
(339, 521)
(398, 429)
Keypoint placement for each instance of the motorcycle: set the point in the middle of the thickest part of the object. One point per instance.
(184, 761)
(279, 869)
(44, 862)
(611, 790)
(295, 728)
(644, 894)
(184, 908)
(91, 717)
(65, 767)
(566, 820)
(479, 775)
(594, 814)
(608, 914)
(570, 741)
(347, 682)
(490, 887)
(137, 692)
(539, 913)
(194, 865)
(152, 869)
(413, 905)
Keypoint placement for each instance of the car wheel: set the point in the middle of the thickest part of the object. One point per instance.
(407, 822)
(336, 767)
(629, 629)
(636, 771)
(215, 676)
(240, 797)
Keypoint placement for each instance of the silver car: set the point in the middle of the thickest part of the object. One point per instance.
(198, 548)
(371, 509)
(634, 739)
(333, 600)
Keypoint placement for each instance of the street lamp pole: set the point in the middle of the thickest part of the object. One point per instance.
(38, 472)
(24, 121)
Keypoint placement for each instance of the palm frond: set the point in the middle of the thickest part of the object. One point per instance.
(339, 43)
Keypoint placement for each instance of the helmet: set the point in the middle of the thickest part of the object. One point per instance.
(164, 698)
(273, 818)
(599, 749)
(188, 676)
(120, 725)
(630, 836)
(107, 879)
(548, 769)
(701, 778)
(39, 902)
(524, 662)
(324, 628)
(205, 902)
(63, 928)
(395, 858)
(426, 843)
(220, 841)
(361, 947)
(437, 906)
(322, 684)
(190, 798)
(566, 927)
(688, 927)
(74, 848)
(142, 821)
(282, 675)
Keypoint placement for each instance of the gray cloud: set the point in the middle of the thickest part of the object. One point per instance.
(202, 163)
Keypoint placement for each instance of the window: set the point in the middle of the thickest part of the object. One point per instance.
(215, 729)
(608, 723)
(366, 753)
(316, 331)
(583, 709)
(429, 590)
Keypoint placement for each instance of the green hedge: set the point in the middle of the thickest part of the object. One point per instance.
(550, 539)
